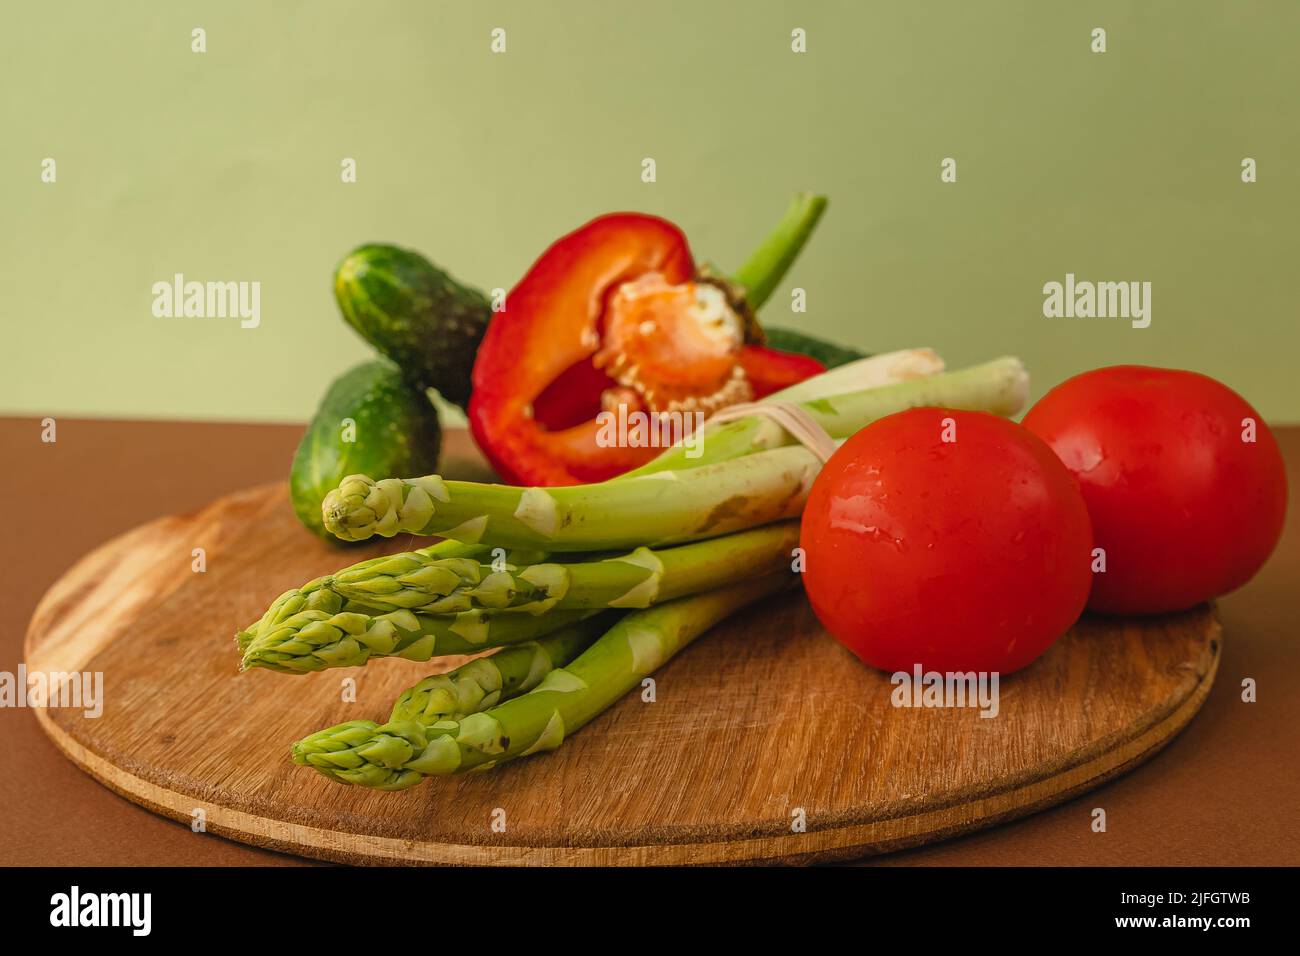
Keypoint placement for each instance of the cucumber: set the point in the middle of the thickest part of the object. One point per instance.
(415, 314)
(393, 428)
(828, 353)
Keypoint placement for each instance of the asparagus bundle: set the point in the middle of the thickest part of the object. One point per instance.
(409, 747)
(750, 476)
(700, 538)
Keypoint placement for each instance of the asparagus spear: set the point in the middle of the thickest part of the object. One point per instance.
(479, 685)
(664, 508)
(415, 581)
(487, 681)
(398, 754)
(330, 634)
(310, 595)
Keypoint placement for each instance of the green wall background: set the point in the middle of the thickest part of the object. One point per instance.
(225, 165)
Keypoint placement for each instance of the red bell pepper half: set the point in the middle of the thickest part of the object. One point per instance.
(616, 314)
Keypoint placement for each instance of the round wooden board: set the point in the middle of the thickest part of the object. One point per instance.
(760, 719)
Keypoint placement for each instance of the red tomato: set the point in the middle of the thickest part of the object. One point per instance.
(958, 555)
(1184, 508)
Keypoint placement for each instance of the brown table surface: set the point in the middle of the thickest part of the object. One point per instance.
(1224, 792)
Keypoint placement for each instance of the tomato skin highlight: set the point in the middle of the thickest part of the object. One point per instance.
(1183, 507)
(964, 555)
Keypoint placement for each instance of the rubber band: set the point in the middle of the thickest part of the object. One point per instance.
(793, 418)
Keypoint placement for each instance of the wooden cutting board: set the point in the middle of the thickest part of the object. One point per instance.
(762, 723)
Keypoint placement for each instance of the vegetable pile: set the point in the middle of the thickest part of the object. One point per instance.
(587, 588)
(939, 534)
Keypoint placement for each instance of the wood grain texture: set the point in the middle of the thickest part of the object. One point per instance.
(764, 715)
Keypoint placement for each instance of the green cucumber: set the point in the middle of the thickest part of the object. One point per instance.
(828, 353)
(370, 422)
(415, 314)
